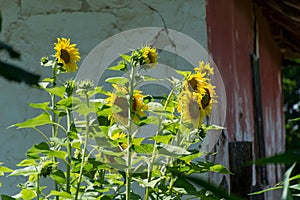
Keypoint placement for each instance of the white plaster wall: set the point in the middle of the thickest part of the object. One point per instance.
(31, 27)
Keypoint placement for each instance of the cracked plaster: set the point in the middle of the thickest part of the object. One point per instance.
(31, 26)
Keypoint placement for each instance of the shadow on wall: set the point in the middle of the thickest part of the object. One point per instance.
(14, 73)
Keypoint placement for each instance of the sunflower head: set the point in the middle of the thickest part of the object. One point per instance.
(197, 95)
(119, 103)
(138, 106)
(145, 55)
(66, 54)
(189, 109)
(149, 55)
(205, 69)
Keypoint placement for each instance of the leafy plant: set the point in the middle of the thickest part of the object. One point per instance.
(95, 149)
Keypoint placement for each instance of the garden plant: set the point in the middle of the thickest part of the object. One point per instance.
(122, 143)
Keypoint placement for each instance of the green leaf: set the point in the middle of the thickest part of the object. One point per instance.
(40, 120)
(58, 154)
(117, 80)
(4, 170)
(266, 190)
(72, 135)
(208, 186)
(58, 176)
(27, 194)
(118, 67)
(24, 171)
(150, 78)
(284, 158)
(286, 193)
(43, 106)
(294, 120)
(27, 162)
(214, 127)
(183, 73)
(295, 177)
(60, 194)
(171, 150)
(126, 57)
(220, 169)
(191, 157)
(183, 183)
(162, 138)
(84, 110)
(295, 187)
(149, 120)
(143, 148)
(37, 149)
(66, 102)
(5, 197)
(57, 91)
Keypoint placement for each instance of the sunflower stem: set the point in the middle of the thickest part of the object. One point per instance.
(68, 152)
(38, 187)
(83, 158)
(129, 137)
(151, 163)
(53, 104)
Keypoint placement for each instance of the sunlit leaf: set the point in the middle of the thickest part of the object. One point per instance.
(24, 171)
(60, 194)
(58, 176)
(58, 154)
(28, 194)
(183, 73)
(150, 78)
(220, 169)
(286, 193)
(149, 120)
(117, 80)
(162, 138)
(295, 187)
(68, 102)
(294, 120)
(4, 170)
(171, 150)
(43, 106)
(40, 120)
(118, 67)
(125, 57)
(143, 148)
(27, 162)
(57, 91)
(266, 190)
(191, 157)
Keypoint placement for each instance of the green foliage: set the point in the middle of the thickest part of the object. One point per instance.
(91, 152)
(291, 88)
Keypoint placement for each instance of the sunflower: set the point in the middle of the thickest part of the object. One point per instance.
(67, 54)
(119, 104)
(144, 56)
(149, 55)
(120, 137)
(189, 109)
(197, 87)
(208, 99)
(205, 69)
